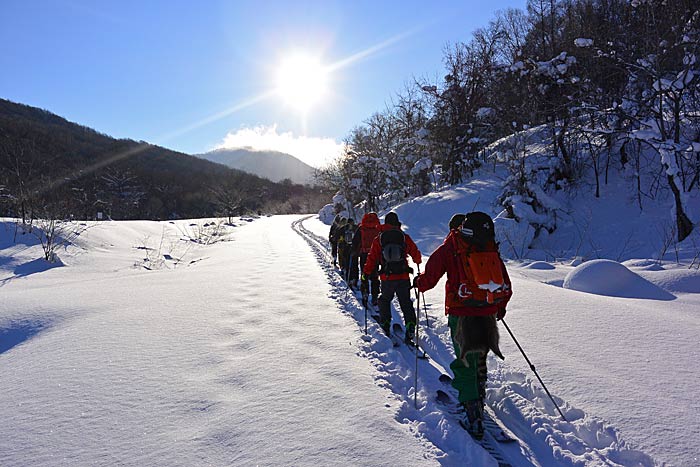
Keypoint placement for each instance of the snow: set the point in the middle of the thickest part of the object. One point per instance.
(147, 346)
(583, 42)
(606, 277)
(539, 265)
(228, 361)
(484, 113)
(622, 356)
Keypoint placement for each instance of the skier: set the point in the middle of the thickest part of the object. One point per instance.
(339, 242)
(350, 253)
(476, 294)
(346, 233)
(333, 239)
(368, 230)
(390, 250)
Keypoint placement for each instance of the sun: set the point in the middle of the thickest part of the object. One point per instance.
(302, 81)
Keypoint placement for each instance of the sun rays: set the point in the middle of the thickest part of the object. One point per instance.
(302, 81)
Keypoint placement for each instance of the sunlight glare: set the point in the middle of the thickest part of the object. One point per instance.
(302, 81)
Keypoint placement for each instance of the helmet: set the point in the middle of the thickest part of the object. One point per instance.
(478, 228)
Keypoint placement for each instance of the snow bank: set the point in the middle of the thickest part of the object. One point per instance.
(606, 277)
(327, 214)
(678, 280)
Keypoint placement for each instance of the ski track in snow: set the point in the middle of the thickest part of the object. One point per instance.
(520, 404)
(217, 358)
(239, 359)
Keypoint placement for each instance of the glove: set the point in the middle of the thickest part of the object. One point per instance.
(415, 281)
(500, 314)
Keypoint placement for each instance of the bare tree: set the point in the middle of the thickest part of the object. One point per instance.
(22, 163)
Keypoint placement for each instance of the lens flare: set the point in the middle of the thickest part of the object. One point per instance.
(302, 81)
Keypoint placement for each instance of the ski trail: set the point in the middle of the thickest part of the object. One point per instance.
(395, 371)
(514, 400)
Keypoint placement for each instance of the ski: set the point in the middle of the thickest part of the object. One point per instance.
(488, 441)
(421, 353)
(495, 430)
(489, 423)
(399, 336)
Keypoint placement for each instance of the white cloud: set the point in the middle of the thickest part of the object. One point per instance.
(316, 152)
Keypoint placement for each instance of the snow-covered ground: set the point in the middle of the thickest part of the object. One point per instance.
(240, 355)
(147, 347)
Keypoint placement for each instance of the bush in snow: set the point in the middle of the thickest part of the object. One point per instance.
(514, 237)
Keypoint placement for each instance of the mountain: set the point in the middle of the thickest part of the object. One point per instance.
(51, 166)
(273, 165)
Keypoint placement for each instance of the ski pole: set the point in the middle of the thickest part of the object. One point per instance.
(532, 367)
(425, 308)
(415, 374)
(365, 304)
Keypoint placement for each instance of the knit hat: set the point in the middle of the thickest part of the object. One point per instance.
(456, 221)
(392, 219)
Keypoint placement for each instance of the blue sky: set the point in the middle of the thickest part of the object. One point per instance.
(191, 75)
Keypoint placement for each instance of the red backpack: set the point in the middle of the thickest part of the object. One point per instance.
(481, 281)
(369, 229)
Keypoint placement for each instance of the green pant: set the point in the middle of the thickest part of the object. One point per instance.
(470, 380)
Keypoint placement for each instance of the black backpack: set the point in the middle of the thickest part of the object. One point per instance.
(393, 243)
(478, 228)
(349, 234)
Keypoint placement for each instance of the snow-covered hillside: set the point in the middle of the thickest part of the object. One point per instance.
(615, 204)
(616, 341)
(148, 346)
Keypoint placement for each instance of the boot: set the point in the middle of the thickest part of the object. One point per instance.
(410, 333)
(473, 419)
(386, 327)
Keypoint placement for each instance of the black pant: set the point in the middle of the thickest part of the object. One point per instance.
(373, 278)
(402, 289)
(352, 265)
(343, 251)
(334, 249)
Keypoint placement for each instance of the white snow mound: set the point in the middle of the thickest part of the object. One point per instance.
(540, 265)
(606, 277)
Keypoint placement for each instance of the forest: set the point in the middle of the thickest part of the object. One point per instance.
(602, 85)
(51, 168)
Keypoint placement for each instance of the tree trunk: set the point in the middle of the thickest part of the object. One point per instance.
(685, 226)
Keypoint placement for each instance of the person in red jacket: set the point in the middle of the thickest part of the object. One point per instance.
(361, 244)
(390, 250)
(476, 294)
